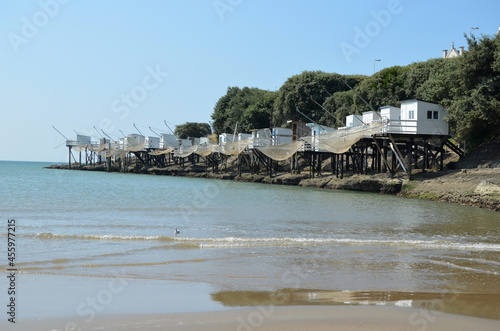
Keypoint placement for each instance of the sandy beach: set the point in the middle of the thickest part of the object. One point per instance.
(276, 318)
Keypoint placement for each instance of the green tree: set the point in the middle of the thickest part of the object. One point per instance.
(192, 130)
(307, 91)
(341, 104)
(386, 87)
(249, 107)
(467, 86)
(474, 111)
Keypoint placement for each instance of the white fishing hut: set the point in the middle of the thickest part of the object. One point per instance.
(281, 136)
(226, 138)
(390, 113)
(153, 142)
(134, 139)
(316, 130)
(82, 140)
(186, 142)
(370, 117)
(414, 117)
(353, 120)
(168, 140)
(243, 136)
(260, 138)
(422, 117)
(204, 141)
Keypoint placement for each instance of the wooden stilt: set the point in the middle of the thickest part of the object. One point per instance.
(415, 155)
(409, 156)
(383, 156)
(347, 161)
(239, 165)
(425, 163)
(342, 166)
(386, 164)
(333, 163)
(441, 158)
(398, 155)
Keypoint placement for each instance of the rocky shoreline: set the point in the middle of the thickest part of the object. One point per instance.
(474, 187)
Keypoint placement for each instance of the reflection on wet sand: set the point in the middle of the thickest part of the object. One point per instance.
(483, 305)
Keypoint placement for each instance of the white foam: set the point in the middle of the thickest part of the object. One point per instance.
(289, 241)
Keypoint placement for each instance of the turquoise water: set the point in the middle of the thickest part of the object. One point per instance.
(80, 229)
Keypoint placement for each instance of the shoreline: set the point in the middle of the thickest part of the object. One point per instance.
(479, 187)
(279, 318)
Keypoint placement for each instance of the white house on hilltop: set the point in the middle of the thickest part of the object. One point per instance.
(453, 52)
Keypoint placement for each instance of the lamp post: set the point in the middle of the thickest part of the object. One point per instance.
(470, 30)
(377, 60)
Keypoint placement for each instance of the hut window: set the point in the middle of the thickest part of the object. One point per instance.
(411, 115)
(432, 115)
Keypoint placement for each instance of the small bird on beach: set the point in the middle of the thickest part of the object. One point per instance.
(176, 231)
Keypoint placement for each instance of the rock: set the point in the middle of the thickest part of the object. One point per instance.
(392, 186)
(292, 179)
(99, 167)
(315, 182)
(287, 179)
(228, 176)
(356, 183)
(250, 178)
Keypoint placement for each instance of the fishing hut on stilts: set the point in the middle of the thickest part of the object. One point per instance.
(390, 140)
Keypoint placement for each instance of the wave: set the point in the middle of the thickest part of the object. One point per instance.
(234, 242)
(466, 268)
(104, 237)
(94, 226)
(429, 244)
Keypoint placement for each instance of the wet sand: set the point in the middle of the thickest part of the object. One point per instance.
(275, 318)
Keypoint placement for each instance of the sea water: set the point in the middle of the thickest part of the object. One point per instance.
(109, 237)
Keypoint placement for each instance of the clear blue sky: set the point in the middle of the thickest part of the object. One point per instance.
(77, 64)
